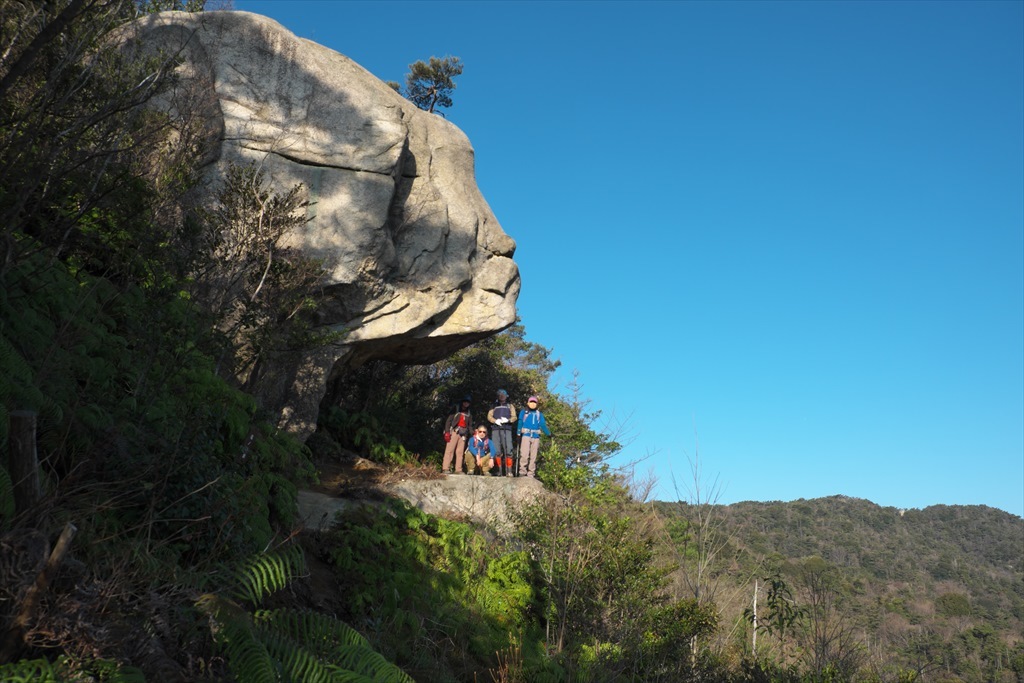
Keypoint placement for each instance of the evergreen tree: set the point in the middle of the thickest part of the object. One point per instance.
(428, 85)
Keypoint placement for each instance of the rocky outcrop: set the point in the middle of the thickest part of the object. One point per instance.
(418, 265)
(487, 502)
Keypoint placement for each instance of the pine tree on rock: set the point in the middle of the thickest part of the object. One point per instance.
(428, 85)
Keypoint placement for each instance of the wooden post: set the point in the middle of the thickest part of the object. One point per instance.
(23, 460)
(14, 638)
(753, 647)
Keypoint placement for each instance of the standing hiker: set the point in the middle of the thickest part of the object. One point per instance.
(531, 424)
(503, 416)
(456, 432)
(481, 448)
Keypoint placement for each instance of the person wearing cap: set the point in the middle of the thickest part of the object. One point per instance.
(456, 432)
(530, 425)
(502, 418)
(481, 448)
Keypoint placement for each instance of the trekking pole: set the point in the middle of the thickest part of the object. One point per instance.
(515, 462)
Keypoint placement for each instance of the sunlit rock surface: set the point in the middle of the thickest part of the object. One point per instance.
(418, 264)
(488, 502)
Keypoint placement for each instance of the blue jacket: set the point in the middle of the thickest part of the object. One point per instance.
(477, 446)
(531, 423)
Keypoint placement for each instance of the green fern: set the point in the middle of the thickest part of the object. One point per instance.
(299, 664)
(367, 662)
(43, 671)
(331, 641)
(365, 433)
(247, 656)
(319, 631)
(29, 671)
(284, 644)
(267, 574)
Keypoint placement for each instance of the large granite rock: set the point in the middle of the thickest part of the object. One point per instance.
(418, 264)
(487, 502)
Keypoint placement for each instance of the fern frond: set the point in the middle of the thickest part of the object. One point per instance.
(289, 644)
(29, 671)
(195, 580)
(265, 574)
(43, 671)
(334, 641)
(297, 663)
(339, 675)
(367, 662)
(233, 631)
(247, 657)
(320, 632)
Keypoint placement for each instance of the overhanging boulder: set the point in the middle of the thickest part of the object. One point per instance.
(418, 264)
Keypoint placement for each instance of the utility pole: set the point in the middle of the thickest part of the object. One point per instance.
(753, 646)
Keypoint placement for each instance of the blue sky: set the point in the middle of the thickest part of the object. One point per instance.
(783, 238)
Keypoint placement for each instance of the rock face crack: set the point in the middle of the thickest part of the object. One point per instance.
(308, 162)
(422, 256)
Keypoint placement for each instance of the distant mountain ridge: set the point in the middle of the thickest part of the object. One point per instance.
(836, 528)
(948, 575)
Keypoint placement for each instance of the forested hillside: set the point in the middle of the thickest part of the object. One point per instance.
(942, 589)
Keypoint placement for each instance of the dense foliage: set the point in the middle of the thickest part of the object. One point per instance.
(384, 402)
(146, 444)
(576, 593)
